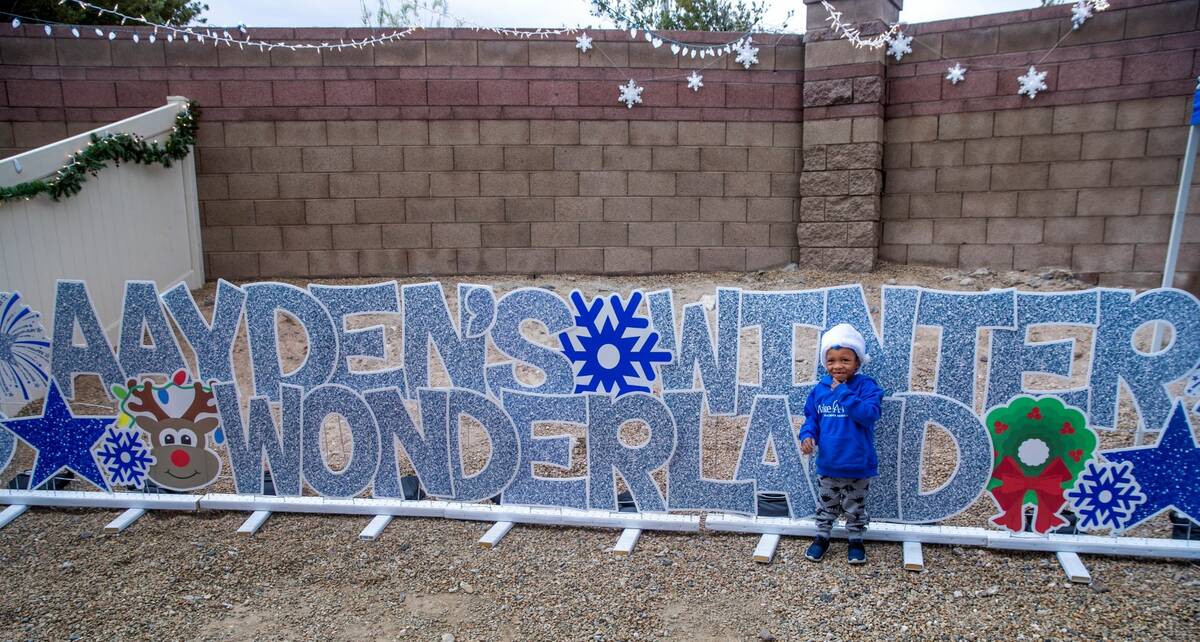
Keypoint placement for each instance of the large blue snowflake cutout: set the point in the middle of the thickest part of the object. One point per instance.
(611, 348)
(124, 456)
(24, 351)
(1105, 496)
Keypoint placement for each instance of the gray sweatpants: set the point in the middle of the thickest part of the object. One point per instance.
(838, 495)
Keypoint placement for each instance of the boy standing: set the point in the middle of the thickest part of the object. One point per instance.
(839, 423)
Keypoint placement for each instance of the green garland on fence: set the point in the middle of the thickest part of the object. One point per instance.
(118, 148)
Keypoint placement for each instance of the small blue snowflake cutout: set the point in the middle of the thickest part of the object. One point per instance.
(611, 348)
(1105, 496)
(124, 456)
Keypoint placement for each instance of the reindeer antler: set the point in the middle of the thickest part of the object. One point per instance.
(203, 403)
(145, 395)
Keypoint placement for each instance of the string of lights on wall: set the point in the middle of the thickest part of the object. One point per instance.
(630, 94)
(239, 35)
(900, 44)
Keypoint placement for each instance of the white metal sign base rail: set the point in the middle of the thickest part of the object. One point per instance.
(376, 507)
(125, 520)
(89, 499)
(968, 536)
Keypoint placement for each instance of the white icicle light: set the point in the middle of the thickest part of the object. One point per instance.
(226, 36)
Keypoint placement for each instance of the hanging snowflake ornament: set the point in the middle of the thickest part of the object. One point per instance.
(630, 94)
(1081, 12)
(746, 54)
(899, 45)
(1105, 496)
(1032, 82)
(24, 351)
(611, 347)
(956, 74)
(124, 456)
(583, 42)
(695, 81)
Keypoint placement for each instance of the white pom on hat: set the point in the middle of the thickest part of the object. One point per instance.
(843, 335)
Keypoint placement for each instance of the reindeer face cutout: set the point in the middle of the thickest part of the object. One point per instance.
(178, 420)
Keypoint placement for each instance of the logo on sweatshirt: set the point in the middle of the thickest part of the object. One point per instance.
(831, 410)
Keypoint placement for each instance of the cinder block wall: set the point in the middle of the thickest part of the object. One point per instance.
(1084, 177)
(449, 151)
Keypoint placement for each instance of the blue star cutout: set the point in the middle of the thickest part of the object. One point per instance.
(1168, 472)
(61, 440)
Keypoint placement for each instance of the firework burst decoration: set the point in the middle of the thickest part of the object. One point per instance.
(24, 351)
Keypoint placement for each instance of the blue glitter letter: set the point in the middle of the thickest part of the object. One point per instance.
(974, 458)
(538, 305)
(319, 403)
(718, 374)
(427, 450)
(960, 315)
(142, 311)
(777, 314)
(71, 304)
(211, 343)
(1147, 375)
(346, 301)
(501, 465)
(689, 488)
(883, 498)
(607, 455)
(527, 488)
(891, 360)
(426, 318)
(247, 441)
(262, 301)
(1012, 355)
(771, 424)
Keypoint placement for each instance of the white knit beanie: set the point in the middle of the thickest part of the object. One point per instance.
(843, 335)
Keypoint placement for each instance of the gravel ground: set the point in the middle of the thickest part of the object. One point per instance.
(177, 576)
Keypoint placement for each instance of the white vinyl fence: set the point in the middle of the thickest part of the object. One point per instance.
(138, 222)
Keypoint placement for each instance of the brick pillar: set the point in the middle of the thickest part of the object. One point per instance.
(841, 178)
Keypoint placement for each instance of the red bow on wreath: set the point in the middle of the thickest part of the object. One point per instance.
(1010, 494)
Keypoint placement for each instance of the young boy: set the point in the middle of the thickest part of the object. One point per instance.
(839, 423)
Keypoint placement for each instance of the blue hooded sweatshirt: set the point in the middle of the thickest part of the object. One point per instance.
(842, 422)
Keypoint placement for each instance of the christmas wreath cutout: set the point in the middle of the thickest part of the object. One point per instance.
(1039, 447)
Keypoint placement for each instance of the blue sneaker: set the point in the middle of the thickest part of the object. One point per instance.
(817, 549)
(856, 553)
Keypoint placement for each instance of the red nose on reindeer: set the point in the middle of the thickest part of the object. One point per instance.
(180, 458)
